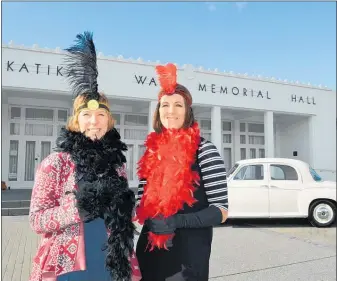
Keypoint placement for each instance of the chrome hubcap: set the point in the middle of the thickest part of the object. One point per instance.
(323, 213)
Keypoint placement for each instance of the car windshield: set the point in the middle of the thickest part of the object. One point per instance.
(314, 175)
(232, 170)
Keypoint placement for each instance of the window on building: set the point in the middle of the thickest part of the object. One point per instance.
(242, 127)
(62, 119)
(14, 129)
(227, 126)
(117, 118)
(135, 120)
(15, 113)
(261, 153)
(205, 128)
(30, 160)
(243, 154)
(133, 129)
(141, 151)
(255, 128)
(15, 117)
(135, 134)
(252, 152)
(42, 121)
(34, 130)
(227, 143)
(256, 140)
(133, 126)
(252, 140)
(62, 115)
(205, 124)
(13, 160)
(45, 149)
(39, 114)
(206, 136)
(227, 156)
(45, 130)
(227, 138)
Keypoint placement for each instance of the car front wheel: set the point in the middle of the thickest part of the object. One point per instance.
(322, 213)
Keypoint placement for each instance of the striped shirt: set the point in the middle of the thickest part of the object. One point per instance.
(213, 175)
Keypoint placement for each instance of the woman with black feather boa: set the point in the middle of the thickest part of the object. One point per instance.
(81, 203)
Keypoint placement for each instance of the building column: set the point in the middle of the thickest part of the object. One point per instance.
(269, 134)
(152, 109)
(5, 143)
(217, 128)
(311, 120)
(236, 141)
(277, 140)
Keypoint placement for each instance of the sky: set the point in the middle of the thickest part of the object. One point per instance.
(286, 40)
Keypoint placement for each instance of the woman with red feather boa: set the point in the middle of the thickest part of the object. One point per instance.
(182, 192)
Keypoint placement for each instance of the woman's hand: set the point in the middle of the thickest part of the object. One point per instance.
(161, 225)
(207, 217)
(224, 215)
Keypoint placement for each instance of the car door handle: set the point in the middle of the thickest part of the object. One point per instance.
(274, 186)
(264, 186)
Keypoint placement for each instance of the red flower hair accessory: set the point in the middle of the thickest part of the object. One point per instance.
(167, 76)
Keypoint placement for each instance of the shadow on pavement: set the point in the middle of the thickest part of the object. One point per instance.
(250, 223)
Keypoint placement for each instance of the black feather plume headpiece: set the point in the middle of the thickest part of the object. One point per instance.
(81, 67)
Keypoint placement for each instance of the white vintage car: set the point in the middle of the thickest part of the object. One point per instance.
(280, 188)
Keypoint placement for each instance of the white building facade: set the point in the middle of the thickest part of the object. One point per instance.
(245, 117)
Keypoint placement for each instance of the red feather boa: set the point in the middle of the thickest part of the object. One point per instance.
(166, 166)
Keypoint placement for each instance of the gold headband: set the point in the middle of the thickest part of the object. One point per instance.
(92, 105)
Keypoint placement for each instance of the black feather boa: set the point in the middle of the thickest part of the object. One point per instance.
(103, 193)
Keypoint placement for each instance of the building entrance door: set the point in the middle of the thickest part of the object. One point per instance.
(24, 157)
(35, 152)
(32, 135)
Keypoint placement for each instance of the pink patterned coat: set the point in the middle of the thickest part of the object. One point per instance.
(54, 215)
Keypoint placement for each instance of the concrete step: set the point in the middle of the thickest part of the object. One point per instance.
(15, 203)
(23, 211)
(20, 207)
(16, 194)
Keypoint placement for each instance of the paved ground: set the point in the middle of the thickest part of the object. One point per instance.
(273, 251)
(242, 251)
